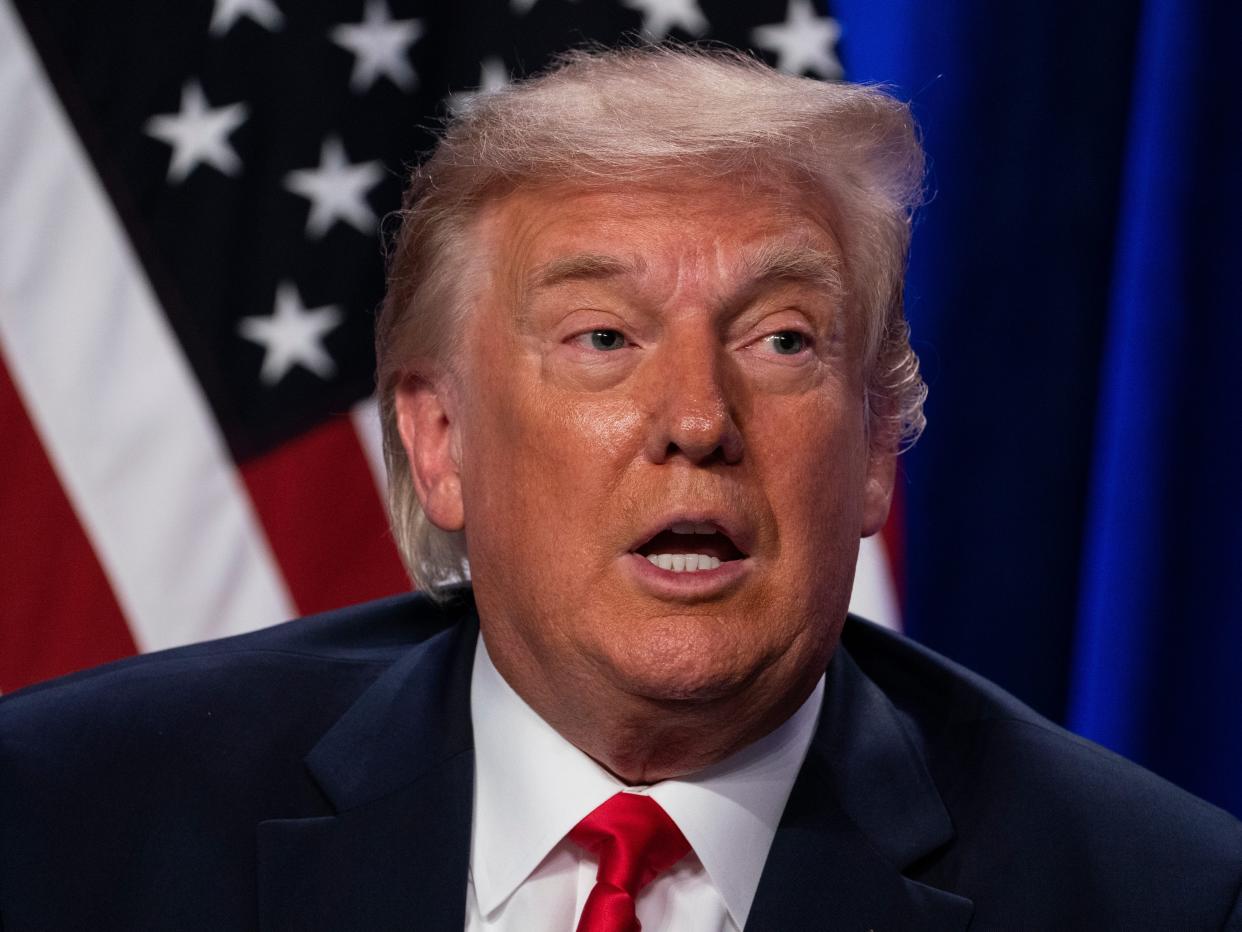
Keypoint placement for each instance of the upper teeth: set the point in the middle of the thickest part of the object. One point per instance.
(684, 562)
(689, 527)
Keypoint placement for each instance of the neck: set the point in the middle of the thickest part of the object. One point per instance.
(643, 741)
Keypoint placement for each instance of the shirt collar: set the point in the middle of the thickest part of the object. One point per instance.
(532, 786)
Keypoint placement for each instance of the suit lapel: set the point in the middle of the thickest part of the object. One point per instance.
(398, 771)
(862, 810)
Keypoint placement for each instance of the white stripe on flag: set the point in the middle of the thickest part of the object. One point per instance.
(875, 596)
(120, 413)
(365, 415)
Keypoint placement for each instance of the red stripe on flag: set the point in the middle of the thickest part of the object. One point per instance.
(57, 610)
(317, 501)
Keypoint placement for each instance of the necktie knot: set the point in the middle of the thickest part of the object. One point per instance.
(635, 840)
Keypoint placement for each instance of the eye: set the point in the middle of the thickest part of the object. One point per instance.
(786, 342)
(605, 340)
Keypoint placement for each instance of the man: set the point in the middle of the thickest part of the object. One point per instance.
(644, 375)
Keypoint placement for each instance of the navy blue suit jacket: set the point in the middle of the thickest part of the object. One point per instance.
(318, 775)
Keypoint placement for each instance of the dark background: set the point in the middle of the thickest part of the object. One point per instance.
(1074, 510)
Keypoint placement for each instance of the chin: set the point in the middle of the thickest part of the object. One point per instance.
(689, 659)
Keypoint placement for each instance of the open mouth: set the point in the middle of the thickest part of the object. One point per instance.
(690, 548)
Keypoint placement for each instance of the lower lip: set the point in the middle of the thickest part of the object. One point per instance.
(701, 584)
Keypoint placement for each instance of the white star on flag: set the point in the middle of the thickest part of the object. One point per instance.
(228, 12)
(198, 134)
(380, 45)
(292, 335)
(660, 16)
(804, 42)
(336, 190)
(493, 75)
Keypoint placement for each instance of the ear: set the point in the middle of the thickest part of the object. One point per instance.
(878, 489)
(426, 420)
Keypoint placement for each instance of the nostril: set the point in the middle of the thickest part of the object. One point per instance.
(701, 437)
(713, 455)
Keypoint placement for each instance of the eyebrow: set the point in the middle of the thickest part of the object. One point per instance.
(791, 262)
(797, 263)
(583, 267)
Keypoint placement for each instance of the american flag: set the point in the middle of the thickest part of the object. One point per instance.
(192, 215)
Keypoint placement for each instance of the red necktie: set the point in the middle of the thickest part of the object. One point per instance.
(634, 840)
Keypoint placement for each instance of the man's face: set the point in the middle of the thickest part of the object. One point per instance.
(653, 379)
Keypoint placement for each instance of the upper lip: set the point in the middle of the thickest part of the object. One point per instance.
(733, 527)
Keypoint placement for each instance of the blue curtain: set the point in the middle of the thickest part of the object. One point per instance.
(1074, 512)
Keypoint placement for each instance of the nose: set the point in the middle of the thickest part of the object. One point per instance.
(694, 414)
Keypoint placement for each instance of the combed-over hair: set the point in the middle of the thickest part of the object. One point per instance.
(602, 118)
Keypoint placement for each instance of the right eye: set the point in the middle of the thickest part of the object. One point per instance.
(786, 342)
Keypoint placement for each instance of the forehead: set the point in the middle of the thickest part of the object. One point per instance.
(718, 225)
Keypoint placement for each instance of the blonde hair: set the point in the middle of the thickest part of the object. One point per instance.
(607, 117)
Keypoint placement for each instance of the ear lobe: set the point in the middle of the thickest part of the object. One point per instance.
(878, 490)
(427, 423)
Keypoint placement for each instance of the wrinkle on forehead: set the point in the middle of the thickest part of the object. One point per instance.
(799, 261)
(550, 237)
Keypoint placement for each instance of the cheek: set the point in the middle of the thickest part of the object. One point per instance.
(587, 441)
(533, 414)
(580, 465)
(812, 456)
(546, 460)
(608, 429)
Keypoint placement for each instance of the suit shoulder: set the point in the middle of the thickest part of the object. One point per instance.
(150, 775)
(341, 649)
(1051, 830)
(923, 683)
(993, 757)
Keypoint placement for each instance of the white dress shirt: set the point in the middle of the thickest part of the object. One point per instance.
(532, 786)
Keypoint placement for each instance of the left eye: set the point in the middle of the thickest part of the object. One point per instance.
(786, 342)
(605, 340)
